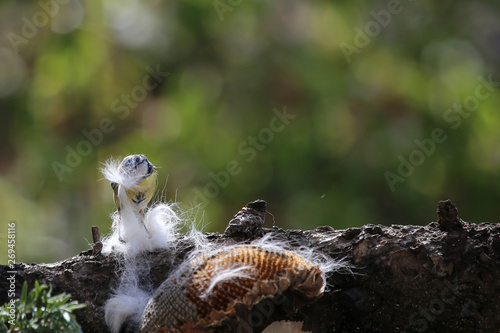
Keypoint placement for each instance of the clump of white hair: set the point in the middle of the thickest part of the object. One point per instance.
(129, 298)
(132, 234)
(326, 263)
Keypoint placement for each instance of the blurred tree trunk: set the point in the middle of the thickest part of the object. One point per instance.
(442, 277)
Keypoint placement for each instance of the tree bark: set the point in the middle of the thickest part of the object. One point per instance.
(442, 277)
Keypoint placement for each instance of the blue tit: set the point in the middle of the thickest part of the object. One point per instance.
(142, 177)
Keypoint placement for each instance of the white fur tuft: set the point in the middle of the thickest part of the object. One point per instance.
(129, 299)
(112, 172)
(161, 221)
(228, 274)
(326, 263)
(122, 307)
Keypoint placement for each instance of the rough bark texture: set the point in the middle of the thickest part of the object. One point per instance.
(442, 277)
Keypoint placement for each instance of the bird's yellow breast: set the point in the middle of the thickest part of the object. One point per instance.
(141, 194)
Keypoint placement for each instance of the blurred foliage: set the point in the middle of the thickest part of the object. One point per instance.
(364, 81)
(38, 311)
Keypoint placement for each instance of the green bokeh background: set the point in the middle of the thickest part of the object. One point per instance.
(360, 100)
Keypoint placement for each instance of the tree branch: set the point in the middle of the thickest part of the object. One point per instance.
(442, 277)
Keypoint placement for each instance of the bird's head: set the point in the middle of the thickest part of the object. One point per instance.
(142, 177)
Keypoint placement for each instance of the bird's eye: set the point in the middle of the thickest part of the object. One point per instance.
(137, 159)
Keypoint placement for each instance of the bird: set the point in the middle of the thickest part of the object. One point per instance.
(138, 178)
